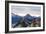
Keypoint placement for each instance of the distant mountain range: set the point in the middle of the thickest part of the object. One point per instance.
(16, 19)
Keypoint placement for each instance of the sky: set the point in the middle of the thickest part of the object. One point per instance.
(23, 10)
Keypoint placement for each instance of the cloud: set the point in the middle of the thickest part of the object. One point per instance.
(34, 10)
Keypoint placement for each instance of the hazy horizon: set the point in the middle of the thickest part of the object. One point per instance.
(23, 10)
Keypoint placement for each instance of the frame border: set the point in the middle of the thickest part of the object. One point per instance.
(7, 16)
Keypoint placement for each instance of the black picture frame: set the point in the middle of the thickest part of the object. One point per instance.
(7, 16)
